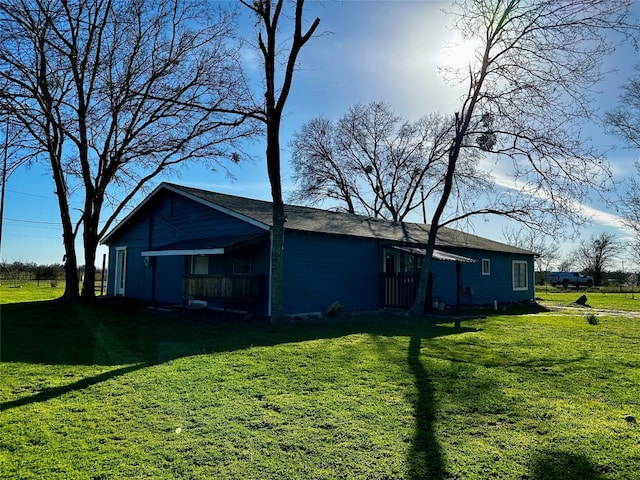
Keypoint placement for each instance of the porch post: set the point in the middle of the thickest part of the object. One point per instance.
(153, 280)
(458, 285)
(430, 292)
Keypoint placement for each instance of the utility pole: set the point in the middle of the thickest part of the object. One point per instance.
(4, 180)
(424, 211)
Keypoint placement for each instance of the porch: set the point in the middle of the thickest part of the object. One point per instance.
(401, 277)
(399, 289)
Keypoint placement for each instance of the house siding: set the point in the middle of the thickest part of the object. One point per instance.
(322, 269)
(166, 219)
(138, 276)
(168, 279)
(481, 289)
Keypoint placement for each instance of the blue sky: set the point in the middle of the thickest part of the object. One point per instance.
(366, 51)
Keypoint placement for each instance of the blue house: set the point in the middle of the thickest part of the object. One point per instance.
(188, 246)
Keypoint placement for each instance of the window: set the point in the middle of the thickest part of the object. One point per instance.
(391, 261)
(486, 266)
(520, 275)
(199, 265)
(242, 264)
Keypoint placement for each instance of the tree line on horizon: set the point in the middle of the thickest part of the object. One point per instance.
(35, 271)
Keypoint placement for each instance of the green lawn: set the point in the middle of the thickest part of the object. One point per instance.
(595, 299)
(29, 291)
(113, 390)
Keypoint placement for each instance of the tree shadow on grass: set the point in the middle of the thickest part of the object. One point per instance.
(49, 393)
(425, 456)
(561, 465)
(128, 336)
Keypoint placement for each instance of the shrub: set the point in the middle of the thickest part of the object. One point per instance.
(592, 319)
(334, 309)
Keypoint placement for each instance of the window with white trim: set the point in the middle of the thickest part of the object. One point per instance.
(520, 273)
(486, 266)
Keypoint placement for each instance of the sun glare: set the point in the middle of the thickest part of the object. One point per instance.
(458, 53)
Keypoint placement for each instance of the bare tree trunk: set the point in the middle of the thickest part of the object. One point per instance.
(277, 230)
(462, 124)
(91, 240)
(277, 264)
(71, 289)
(271, 115)
(72, 279)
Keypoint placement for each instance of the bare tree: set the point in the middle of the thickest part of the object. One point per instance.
(629, 206)
(625, 122)
(528, 93)
(595, 255)
(546, 249)
(111, 94)
(567, 263)
(374, 162)
(625, 119)
(269, 14)
(11, 161)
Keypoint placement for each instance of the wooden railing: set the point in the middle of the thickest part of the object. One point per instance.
(399, 289)
(241, 289)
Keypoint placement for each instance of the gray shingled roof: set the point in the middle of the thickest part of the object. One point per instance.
(308, 219)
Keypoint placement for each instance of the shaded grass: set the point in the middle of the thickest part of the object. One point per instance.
(116, 391)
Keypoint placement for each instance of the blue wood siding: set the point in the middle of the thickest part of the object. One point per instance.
(169, 272)
(481, 289)
(176, 218)
(166, 219)
(322, 269)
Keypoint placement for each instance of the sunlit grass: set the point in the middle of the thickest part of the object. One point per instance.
(35, 291)
(30, 291)
(115, 391)
(610, 301)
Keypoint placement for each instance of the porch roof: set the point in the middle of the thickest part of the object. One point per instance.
(437, 254)
(206, 246)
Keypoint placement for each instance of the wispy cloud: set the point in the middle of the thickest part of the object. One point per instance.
(596, 215)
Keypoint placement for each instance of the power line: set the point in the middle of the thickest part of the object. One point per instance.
(31, 194)
(49, 237)
(32, 221)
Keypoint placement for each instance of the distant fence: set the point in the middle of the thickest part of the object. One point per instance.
(100, 288)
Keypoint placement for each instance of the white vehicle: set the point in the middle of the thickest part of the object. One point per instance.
(569, 278)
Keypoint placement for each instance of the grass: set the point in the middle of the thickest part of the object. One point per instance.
(34, 291)
(610, 301)
(29, 291)
(112, 390)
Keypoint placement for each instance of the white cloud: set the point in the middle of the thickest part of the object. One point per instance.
(596, 215)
